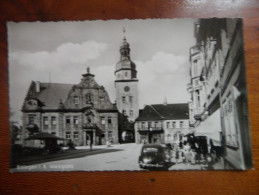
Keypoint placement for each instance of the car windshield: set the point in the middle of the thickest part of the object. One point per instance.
(146, 150)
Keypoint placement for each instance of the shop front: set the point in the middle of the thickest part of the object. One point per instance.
(208, 136)
(151, 136)
(210, 128)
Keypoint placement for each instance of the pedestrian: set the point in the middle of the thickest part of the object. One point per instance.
(91, 145)
(177, 155)
(186, 150)
(193, 156)
(71, 145)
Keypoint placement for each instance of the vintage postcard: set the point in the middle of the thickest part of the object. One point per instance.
(128, 95)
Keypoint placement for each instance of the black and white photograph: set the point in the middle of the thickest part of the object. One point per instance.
(128, 95)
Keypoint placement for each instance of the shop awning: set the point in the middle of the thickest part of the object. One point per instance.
(210, 127)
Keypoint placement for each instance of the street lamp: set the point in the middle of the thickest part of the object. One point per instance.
(150, 134)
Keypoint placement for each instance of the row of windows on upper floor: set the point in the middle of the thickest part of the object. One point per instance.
(173, 124)
(126, 74)
(126, 99)
(89, 98)
(69, 120)
(76, 135)
(125, 113)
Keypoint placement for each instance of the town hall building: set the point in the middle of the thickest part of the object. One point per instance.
(83, 112)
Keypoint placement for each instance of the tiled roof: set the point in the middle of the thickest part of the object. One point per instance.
(51, 94)
(164, 112)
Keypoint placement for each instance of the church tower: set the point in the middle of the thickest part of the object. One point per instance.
(126, 83)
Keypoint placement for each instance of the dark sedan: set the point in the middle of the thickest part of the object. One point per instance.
(155, 156)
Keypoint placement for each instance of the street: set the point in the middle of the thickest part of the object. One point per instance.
(117, 157)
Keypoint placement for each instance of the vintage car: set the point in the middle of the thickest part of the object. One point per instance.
(155, 156)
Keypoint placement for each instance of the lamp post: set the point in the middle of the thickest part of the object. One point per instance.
(150, 135)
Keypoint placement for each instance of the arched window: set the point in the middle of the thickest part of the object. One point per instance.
(89, 98)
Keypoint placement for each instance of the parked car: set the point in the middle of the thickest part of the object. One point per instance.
(155, 156)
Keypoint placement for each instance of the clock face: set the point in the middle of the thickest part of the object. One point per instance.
(126, 89)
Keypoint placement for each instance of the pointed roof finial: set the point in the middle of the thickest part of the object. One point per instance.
(124, 32)
(88, 70)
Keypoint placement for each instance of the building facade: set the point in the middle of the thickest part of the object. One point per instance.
(162, 123)
(234, 110)
(218, 107)
(82, 113)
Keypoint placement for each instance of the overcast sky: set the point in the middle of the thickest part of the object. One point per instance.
(60, 52)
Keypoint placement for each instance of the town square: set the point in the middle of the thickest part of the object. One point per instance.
(128, 96)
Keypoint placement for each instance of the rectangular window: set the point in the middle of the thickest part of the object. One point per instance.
(149, 124)
(68, 121)
(110, 136)
(45, 122)
(109, 122)
(174, 124)
(124, 112)
(68, 135)
(76, 100)
(76, 135)
(123, 99)
(75, 121)
(156, 124)
(143, 125)
(53, 122)
(181, 124)
(130, 99)
(167, 125)
(103, 120)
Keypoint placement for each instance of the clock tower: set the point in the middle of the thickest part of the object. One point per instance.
(126, 84)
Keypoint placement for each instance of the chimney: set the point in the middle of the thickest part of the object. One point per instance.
(37, 86)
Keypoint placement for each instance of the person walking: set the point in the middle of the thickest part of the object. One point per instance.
(186, 150)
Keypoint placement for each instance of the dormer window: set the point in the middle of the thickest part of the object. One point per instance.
(32, 104)
(76, 100)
